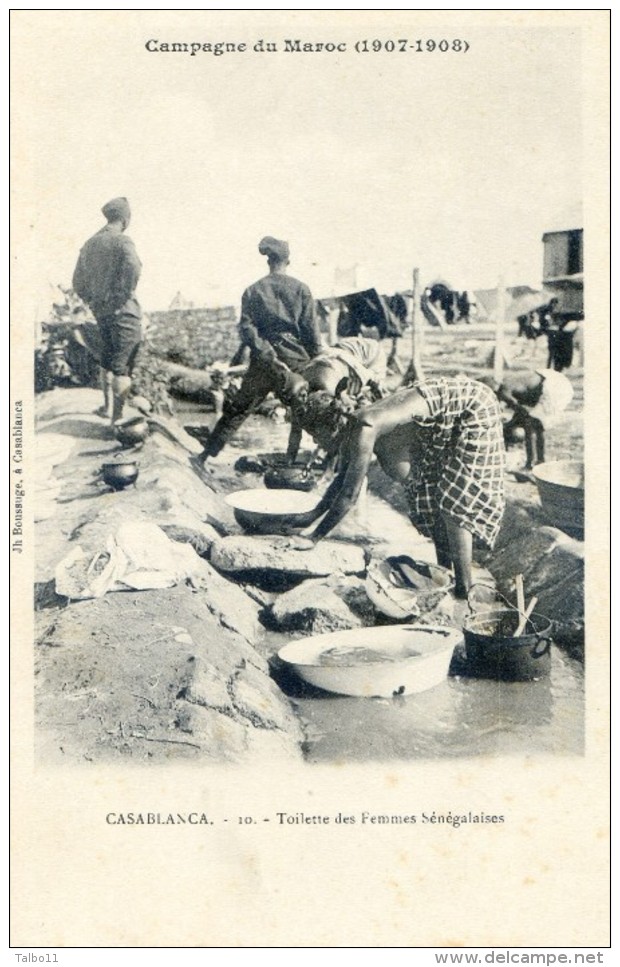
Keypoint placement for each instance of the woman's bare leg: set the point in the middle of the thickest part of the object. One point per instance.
(442, 545)
(460, 542)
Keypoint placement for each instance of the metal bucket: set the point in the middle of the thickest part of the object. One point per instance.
(493, 651)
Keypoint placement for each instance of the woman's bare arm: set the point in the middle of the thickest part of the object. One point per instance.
(366, 428)
(350, 482)
(296, 521)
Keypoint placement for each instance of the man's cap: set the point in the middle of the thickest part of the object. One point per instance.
(117, 208)
(274, 247)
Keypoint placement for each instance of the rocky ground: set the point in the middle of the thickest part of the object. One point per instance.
(185, 671)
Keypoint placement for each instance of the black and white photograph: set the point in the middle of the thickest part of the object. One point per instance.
(309, 478)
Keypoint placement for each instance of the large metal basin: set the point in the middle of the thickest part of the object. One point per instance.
(561, 492)
(367, 662)
(263, 511)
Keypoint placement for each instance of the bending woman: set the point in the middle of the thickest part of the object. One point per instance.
(443, 441)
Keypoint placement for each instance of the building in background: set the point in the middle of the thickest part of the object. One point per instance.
(563, 271)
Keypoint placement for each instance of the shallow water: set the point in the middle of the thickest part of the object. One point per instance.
(459, 717)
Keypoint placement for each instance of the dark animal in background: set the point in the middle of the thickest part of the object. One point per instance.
(362, 312)
(442, 297)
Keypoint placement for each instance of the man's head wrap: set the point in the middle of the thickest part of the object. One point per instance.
(117, 208)
(274, 248)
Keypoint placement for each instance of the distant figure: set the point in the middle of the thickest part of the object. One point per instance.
(398, 309)
(529, 325)
(323, 315)
(551, 324)
(463, 306)
(278, 323)
(537, 398)
(547, 314)
(105, 278)
(560, 337)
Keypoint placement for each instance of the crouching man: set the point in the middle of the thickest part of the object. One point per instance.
(279, 325)
(537, 399)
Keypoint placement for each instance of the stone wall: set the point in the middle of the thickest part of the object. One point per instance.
(194, 337)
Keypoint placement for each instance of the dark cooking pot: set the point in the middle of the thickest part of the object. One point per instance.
(292, 478)
(132, 432)
(119, 475)
(493, 651)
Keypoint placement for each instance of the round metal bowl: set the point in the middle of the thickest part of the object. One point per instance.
(132, 432)
(119, 475)
(561, 491)
(369, 662)
(263, 511)
(398, 598)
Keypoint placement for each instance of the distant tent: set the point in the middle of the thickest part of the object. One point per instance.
(520, 299)
(179, 302)
(521, 305)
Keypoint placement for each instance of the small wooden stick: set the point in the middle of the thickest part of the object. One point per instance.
(525, 617)
(520, 594)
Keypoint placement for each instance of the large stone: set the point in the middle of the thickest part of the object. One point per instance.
(523, 554)
(235, 609)
(206, 685)
(258, 699)
(552, 565)
(116, 679)
(200, 536)
(190, 492)
(217, 736)
(263, 560)
(519, 518)
(171, 430)
(241, 691)
(312, 607)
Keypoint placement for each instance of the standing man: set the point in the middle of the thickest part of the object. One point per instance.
(279, 325)
(105, 277)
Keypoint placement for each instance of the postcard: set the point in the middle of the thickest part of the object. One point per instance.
(308, 476)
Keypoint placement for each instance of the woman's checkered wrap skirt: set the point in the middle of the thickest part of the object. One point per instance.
(461, 473)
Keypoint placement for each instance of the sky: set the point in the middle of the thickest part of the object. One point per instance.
(455, 163)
